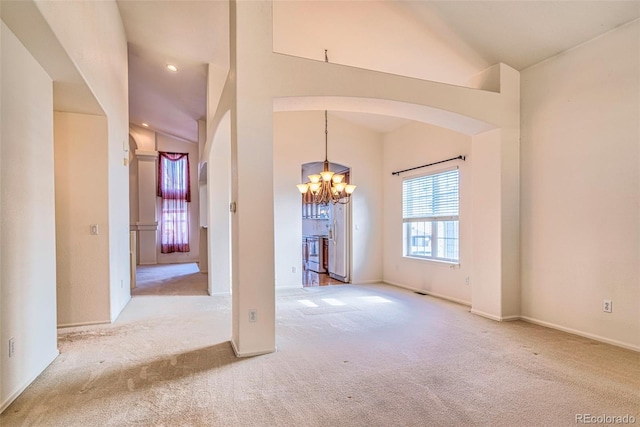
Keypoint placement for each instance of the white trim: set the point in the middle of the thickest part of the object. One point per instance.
(254, 353)
(147, 226)
(220, 294)
(486, 315)
(581, 333)
(294, 286)
(433, 294)
(72, 325)
(449, 264)
(366, 282)
(494, 317)
(146, 155)
(13, 396)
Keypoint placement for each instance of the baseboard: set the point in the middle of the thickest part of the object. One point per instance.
(297, 286)
(433, 294)
(524, 318)
(72, 325)
(220, 294)
(13, 396)
(180, 261)
(251, 354)
(581, 333)
(493, 316)
(121, 309)
(368, 282)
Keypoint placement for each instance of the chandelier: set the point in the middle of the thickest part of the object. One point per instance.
(327, 187)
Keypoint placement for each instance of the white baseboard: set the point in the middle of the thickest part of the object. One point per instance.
(251, 354)
(581, 333)
(433, 294)
(494, 317)
(72, 325)
(13, 396)
(294, 286)
(220, 294)
(119, 311)
(524, 318)
(367, 282)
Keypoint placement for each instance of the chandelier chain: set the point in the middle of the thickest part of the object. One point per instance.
(326, 187)
(326, 137)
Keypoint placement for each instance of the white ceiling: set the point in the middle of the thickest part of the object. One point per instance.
(192, 34)
(523, 33)
(188, 34)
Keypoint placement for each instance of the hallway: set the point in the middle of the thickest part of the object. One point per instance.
(169, 280)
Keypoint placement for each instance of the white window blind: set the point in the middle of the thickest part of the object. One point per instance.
(430, 208)
(431, 197)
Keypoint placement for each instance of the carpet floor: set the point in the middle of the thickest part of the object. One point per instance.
(170, 279)
(354, 355)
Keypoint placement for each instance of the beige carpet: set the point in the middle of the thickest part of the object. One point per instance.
(170, 279)
(353, 355)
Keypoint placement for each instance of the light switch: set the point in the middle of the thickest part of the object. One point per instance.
(94, 229)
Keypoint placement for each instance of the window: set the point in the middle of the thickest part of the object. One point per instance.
(430, 205)
(174, 189)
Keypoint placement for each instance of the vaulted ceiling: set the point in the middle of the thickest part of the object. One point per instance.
(445, 41)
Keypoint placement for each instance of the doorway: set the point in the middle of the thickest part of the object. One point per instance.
(170, 280)
(326, 237)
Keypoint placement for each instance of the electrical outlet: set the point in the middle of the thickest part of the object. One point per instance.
(94, 229)
(294, 270)
(607, 306)
(12, 346)
(466, 280)
(253, 315)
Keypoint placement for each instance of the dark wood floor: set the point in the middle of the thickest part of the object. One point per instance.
(311, 278)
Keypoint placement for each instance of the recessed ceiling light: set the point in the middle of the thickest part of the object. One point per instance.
(172, 67)
(145, 125)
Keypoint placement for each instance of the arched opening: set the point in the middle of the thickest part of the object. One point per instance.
(218, 183)
(326, 234)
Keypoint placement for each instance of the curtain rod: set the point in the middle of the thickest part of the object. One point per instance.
(461, 157)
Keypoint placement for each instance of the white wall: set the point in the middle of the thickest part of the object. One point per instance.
(298, 139)
(219, 217)
(27, 233)
(134, 211)
(265, 82)
(413, 145)
(145, 138)
(80, 146)
(375, 35)
(580, 175)
(143, 217)
(92, 35)
(487, 223)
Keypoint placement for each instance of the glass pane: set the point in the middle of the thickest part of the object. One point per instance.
(448, 242)
(418, 238)
(432, 239)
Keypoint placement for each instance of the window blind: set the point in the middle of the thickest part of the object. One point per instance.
(431, 197)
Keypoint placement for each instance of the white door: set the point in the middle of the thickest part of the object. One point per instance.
(338, 243)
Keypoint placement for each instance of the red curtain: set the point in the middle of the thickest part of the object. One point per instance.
(175, 191)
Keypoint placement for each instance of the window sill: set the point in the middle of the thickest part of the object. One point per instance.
(450, 264)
